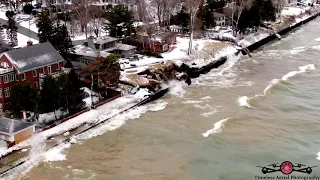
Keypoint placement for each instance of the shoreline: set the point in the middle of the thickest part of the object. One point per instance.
(192, 72)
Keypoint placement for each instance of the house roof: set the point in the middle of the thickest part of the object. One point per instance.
(124, 47)
(89, 52)
(104, 39)
(32, 57)
(216, 14)
(11, 126)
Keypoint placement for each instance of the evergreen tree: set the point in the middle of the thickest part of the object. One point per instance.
(12, 31)
(76, 95)
(71, 93)
(22, 97)
(182, 18)
(62, 40)
(269, 12)
(120, 22)
(3, 45)
(50, 95)
(45, 28)
(208, 19)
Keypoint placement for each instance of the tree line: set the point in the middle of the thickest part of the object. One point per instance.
(62, 93)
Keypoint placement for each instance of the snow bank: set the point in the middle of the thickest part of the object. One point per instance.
(291, 11)
(47, 117)
(22, 40)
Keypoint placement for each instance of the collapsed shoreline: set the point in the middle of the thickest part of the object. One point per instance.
(193, 72)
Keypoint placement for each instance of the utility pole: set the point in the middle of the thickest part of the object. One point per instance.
(92, 104)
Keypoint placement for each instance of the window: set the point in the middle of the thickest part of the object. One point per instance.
(34, 73)
(42, 70)
(35, 84)
(57, 67)
(0, 93)
(17, 77)
(23, 76)
(7, 92)
(49, 69)
(11, 77)
(5, 79)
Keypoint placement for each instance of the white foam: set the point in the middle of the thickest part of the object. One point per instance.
(192, 102)
(297, 50)
(318, 39)
(56, 153)
(217, 127)
(24, 150)
(243, 101)
(159, 106)
(207, 114)
(316, 47)
(267, 89)
(207, 97)
(207, 106)
(290, 74)
(177, 88)
(307, 67)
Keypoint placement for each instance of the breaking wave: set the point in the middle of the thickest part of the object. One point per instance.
(38, 151)
(221, 77)
(245, 101)
(217, 127)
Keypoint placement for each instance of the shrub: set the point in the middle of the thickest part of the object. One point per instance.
(27, 9)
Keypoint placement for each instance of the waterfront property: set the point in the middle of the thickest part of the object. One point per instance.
(28, 65)
(14, 131)
(156, 43)
(100, 46)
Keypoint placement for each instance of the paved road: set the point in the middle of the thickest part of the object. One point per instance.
(34, 35)
(23, 30)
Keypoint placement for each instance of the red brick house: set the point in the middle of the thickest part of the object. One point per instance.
(29, 64)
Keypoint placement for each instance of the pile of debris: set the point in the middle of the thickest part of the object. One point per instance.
(156, 75)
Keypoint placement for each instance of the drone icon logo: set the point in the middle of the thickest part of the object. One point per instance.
(286, 168)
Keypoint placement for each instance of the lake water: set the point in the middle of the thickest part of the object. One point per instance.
(250, 112)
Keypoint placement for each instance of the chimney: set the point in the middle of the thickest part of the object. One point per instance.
(29, 43)
(90, 42)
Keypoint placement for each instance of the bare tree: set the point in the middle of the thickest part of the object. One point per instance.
(81, 11)
(279, 5)
(96, 17)
(159, 4)
(237, 7)
(192, 6)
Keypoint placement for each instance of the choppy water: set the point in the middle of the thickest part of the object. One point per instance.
(250, 112)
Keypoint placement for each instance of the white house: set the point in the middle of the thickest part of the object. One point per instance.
(219, 19)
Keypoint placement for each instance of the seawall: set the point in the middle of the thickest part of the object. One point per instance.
(194, 72)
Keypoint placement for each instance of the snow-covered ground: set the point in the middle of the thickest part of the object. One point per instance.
(101, 113)
(292, 11)
(22, 40)
(87, 100)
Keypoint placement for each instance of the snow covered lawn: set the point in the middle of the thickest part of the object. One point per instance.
(291, 11)
(22, 40)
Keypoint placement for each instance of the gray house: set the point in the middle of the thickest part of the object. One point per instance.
(101, 46)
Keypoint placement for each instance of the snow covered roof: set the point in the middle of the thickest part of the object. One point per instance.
(104, 39)
(11, 126)
(32, 57)
(124, 47)
(216, 14)
(86, 51)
